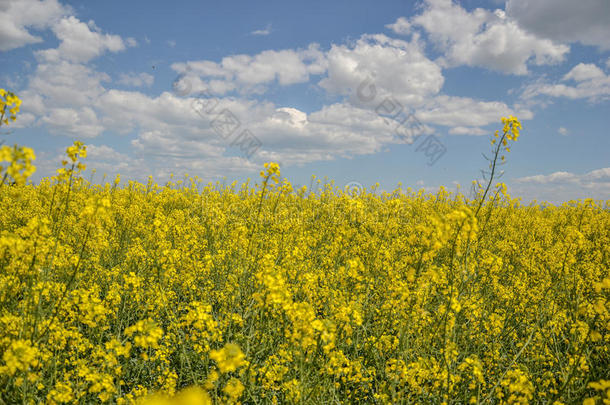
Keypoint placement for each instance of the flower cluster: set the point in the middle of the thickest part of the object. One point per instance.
(229, 358)
(146, 333)
(272, 171)
(20, 356)
(9, 106)
(19, 159)
(511, 128)
(129, 293)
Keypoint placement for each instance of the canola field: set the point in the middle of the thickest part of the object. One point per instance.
(258, 293)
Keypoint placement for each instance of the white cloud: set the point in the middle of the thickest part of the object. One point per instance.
(394, 67)
(584, 21)
(563, 131)
(72, 99)
(594, 176)
(78, 123)
(125, 111)
(18, 17)
(584, 71)
(80, 42)
(104, 152)
(401, 26)
(338, 130)
(160, 144)
(484, 38)
(171, 136)
(168, 126)
(105, 160)
(131, 42)
(247, 73)
(551, 178)
(63, 90)
(136, 79)
(460, 112)
(263, 32)
(68, 96)
(583, 81)
(467, 131)
(63, 84)
(564, 186)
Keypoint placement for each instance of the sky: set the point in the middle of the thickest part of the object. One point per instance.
(358, 92)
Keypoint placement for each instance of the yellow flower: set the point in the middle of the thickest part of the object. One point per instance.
(188, 396)
(20, 160)
(20, 356)
(62, 393)
(8, 101)
(147, 333)
(272, 171)
(386, 297)
(229, 358)
(76, 151)
(233, 389)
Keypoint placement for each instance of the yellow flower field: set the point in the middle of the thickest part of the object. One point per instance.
(258, 293)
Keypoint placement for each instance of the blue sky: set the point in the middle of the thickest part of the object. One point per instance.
(135, 80)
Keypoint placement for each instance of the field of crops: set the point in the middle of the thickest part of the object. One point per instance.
(258, 293)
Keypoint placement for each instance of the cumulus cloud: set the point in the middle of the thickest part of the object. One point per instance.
(391, 66)
(80, 42)
(594, 176)
(73, 99)
(338, 130)
(563, 131)
(105, 152)
(584, 21)
(262, 32)
(464, 113)
(401, 26)
(366, 72)
(564, 186)
(583, 81)
(168, 126)
(249, 74)
(584, 72)
(131, 42)
(169, 134)
(62, 96)
(483, 38)
(128, 110)
(467, 131)
(79, 123)
(18, 18)
(64, 84)
(136, 79)
(63, 90)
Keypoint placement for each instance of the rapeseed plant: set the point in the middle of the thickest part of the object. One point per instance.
(258, 293)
